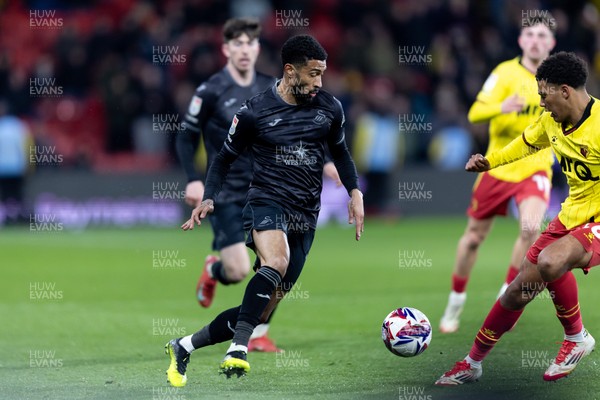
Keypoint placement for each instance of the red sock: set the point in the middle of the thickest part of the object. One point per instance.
(511, 274)
(564, 295)
(498, 321)
(459, 284)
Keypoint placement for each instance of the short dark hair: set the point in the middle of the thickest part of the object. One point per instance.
(235, 27)
(297, 50)
(563, 69)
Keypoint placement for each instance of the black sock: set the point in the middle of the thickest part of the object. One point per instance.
(243, 331)
(201, 338)
(218, 331)
(257, 296)
(218, 273)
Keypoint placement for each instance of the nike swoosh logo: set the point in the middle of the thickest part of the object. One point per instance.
(264, 296)
(229, 102)
(230, 328)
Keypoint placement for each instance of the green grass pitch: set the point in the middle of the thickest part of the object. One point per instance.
(85, 315)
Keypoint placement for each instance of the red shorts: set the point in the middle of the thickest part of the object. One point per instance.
(491, 196)
(588, 235)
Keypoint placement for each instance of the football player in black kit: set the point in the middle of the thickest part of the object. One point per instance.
(209, 115)
(285, 129)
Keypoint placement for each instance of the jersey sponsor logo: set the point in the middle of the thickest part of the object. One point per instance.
(320, 118)
(230, 102)
(233, 127)
(294, 155)
(531, 109)
(582, 171)
(266, 221)
(195, 105)
(275, 121)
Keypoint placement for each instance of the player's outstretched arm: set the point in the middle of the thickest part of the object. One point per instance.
(187, 142)
(235, 143)
(356, 212)
(477, 163)
(198, 214)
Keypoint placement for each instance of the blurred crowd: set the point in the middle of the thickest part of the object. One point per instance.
(90, 78)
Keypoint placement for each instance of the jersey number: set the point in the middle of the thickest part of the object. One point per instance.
(543, 184)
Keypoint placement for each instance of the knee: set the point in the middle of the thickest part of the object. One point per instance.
(237, 272)
(279, 263)
(523, 288)
(529, 234)
(473, 239)
(549, 266)
(237, 275)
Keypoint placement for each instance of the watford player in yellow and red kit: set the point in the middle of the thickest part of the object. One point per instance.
(572, 240)
(509, 102)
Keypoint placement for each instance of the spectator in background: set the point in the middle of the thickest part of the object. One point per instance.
(14, 145)
(377, 144)
(104, 53)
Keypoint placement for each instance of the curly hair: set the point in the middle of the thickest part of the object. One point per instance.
(563, 69)
(297, 50)
(235, 27)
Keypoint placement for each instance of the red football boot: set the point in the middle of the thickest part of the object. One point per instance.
(263, 344)
(205, 289)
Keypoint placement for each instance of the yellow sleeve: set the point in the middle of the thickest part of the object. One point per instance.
(490, 98)
(533, 139)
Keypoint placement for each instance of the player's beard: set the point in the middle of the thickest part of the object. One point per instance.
(299, 92)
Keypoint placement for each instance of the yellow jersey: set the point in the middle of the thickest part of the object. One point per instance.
(578, 151)
(507, 79)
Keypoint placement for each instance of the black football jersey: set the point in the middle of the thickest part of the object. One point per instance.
(209, 114)
(287, 147)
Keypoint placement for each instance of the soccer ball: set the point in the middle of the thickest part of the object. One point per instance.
(406, 332)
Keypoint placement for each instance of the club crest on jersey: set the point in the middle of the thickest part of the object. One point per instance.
(584, 151)
(320, 119)
(233, 126)
(195, 105)
(589, 236)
